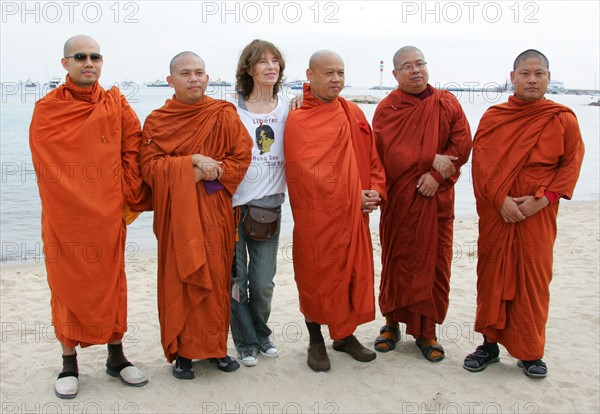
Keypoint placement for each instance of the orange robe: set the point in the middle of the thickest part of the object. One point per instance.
(85, 149)
(330, 157)
(521, 148)
(416, 231)
(195, 229)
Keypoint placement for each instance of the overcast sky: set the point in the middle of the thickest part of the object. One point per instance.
(464, 42)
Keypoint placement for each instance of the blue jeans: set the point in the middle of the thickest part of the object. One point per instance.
(255, 267)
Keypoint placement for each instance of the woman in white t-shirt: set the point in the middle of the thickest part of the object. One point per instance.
(263, 110)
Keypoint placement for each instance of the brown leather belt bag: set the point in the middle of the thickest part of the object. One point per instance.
(260, 223)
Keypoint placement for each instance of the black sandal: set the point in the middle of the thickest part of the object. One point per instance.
(427, 350)
(534, 369)
(391, 343)
(480, 359)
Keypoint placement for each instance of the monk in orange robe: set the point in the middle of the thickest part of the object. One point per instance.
(423, 138)
(85, 147)
(527, 155)
(195, 152)
(335, 179)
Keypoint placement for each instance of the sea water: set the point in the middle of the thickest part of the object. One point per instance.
(20, 223)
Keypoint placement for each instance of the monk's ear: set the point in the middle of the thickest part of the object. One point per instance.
(309, 74)
(170, 80)
(512, 76)
(549, 77)
(65, 63)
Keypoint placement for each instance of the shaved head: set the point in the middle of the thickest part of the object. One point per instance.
(530, 76)
(398, 55)
(528, 54)
(75, 40)
(188, 77)
(178, 56)
(320, 56)
(85, 69)
(410, 70)
(326, 75)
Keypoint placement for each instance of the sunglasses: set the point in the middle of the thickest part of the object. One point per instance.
(81, 57)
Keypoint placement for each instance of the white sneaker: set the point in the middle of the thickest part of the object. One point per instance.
(248, 358)
(66, 387)
(269, 350)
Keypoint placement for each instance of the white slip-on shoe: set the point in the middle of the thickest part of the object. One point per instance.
(128, 374)
(66, 387)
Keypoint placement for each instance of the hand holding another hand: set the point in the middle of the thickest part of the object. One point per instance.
(370, 201)
(206, 168)
(443, 164)
(427, 185)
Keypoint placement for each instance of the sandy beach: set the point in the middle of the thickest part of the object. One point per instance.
(398, 381)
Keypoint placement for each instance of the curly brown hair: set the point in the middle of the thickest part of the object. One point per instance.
(251, 54)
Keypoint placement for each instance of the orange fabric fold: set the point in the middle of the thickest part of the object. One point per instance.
(416, 231)
(195, 230)
(85, 149)
(333, 258)
(521, 148)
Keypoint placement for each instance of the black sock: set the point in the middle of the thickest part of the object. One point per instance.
(314, 332)
(69, 365)
(184, 363)
(116, 357)
(492, 347)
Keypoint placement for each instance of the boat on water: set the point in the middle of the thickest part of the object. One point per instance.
(383, 88)
(556, 87)
(295, 84)
(30, 84)
(157, 84)
(53, 83)
(219, 82)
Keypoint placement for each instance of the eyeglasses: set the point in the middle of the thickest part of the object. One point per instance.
(409, 67)
(81, 57)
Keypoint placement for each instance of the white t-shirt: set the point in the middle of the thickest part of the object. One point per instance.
(266, 174)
